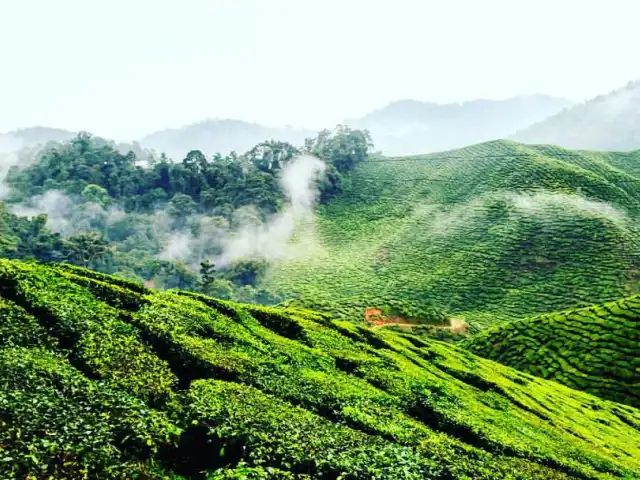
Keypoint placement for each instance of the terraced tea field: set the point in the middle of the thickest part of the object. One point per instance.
(102, 378)
(490, 232)
(595, 349)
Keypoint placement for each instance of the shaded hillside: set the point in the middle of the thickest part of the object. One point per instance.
(608, 122)
(410, 127)
(223, 136)
(497, 230)
(595, 349)
(102, 378)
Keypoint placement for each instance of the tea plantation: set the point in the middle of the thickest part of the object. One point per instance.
(490, 232)
(595, 349)
(102, 378)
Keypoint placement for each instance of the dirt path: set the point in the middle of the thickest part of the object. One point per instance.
(392, 324)
(376, 320)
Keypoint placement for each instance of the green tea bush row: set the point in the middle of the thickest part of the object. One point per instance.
(98, 339)
(262, 392)
(56, 423)
(595, 349)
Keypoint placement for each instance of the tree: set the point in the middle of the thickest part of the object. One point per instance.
(247, 272)
(96, 194)
(180, 207)
(86, 248)
(207, 274)
(8, 243)
(343, 147)
(271, 156)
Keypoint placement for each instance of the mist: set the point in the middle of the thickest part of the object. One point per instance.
(200, 236)
(270, 241)
(246, 237)
(544, 205)
(541, 202)
(10, 147)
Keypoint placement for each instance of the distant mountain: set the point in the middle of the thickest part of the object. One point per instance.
(411, 127)
(607, 122)
(32, 136)
(221, 136)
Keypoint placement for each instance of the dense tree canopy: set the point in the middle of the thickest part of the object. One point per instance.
(156, 219)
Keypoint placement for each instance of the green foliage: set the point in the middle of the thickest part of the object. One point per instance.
(246, 272)
(273, 432)
(595, 349)
(207, 274)
(56, 423)
(22, 237)
(99, 380)
(490, 232)
(342, 149)
(18, 328)
(124, 215)
(99, 173)
(85, 248)
(100, 341)
(96, 194)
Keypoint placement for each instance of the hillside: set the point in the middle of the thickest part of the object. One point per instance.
(411, 127)
(102, 378)
(495, 231)
(222, 136)
(595, 349)
(607, 122)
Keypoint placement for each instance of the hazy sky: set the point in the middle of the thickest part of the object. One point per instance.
(124, 68)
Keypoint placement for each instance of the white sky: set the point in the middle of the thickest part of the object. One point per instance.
(123, 68)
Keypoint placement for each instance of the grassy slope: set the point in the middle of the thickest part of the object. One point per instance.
(493, 230)
(596, 349)
(101, 378)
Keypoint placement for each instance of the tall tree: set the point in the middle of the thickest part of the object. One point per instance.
(207, 274)
(85, 249)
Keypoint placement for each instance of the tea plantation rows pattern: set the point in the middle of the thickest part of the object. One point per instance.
(102, 378)
(490, 232)
(595, 349)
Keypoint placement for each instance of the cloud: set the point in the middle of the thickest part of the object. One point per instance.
(270, 240)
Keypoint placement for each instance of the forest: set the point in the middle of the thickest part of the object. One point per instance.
(150, 218)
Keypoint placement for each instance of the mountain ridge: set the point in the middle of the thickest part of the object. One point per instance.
(421, 125)
(606, 122)
(413, 127)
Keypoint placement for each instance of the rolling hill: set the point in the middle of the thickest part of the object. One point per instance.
(607, 122)
(490, 232)
(411, 127)
(102, 378)
(595, 349)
